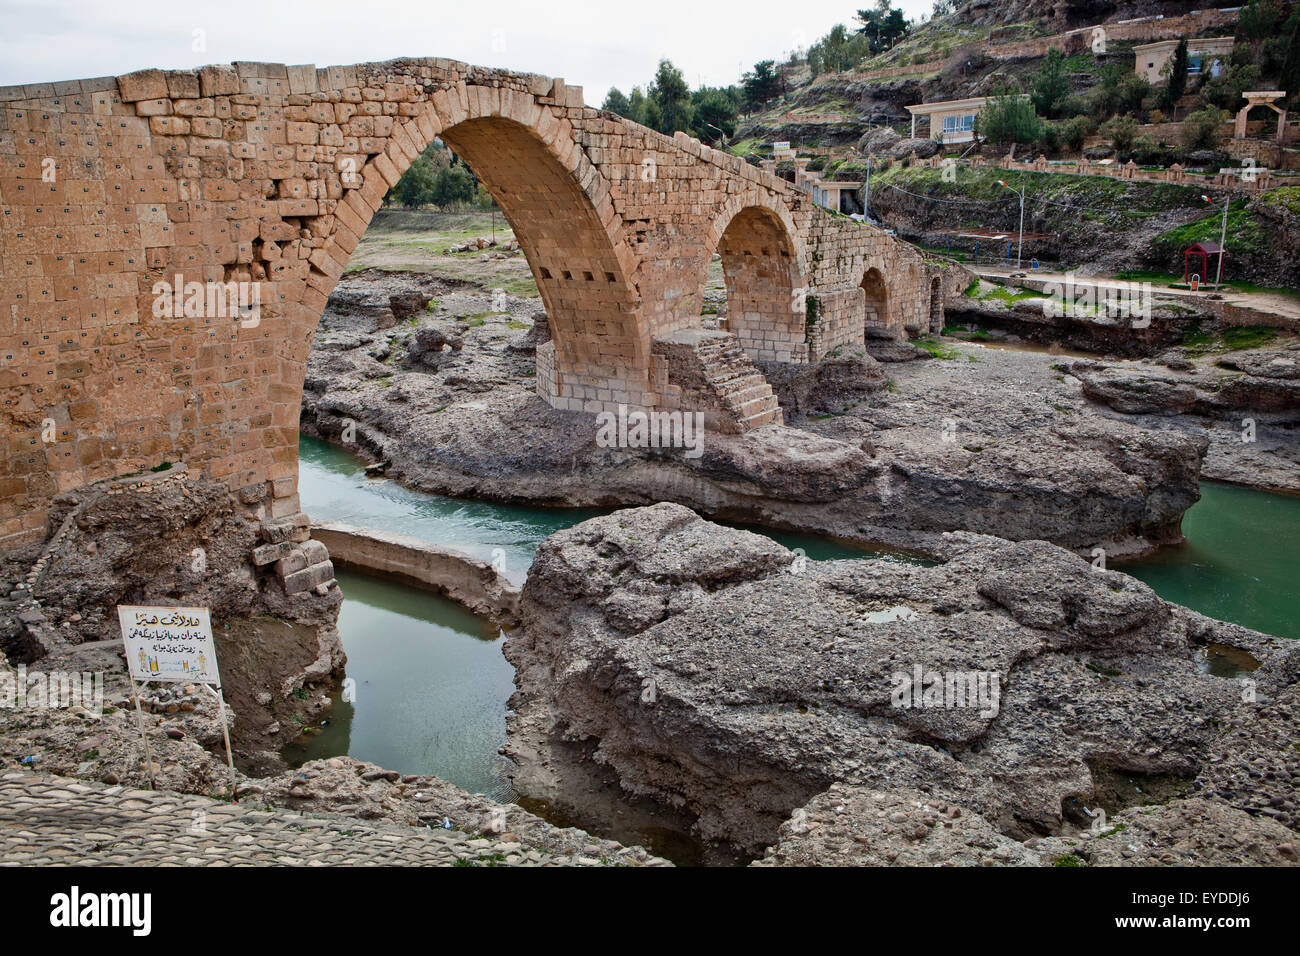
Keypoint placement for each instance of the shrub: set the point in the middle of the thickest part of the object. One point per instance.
(1009, 118)
(1201, 129)
(1121, 131)
(1074, 131)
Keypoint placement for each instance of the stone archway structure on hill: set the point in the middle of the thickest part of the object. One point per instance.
(261, 178)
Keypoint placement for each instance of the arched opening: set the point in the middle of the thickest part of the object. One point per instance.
(876, 321)
(599, 352)
(766, 307)
(936, 305)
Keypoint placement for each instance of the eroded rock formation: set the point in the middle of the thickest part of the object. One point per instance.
(711, 670)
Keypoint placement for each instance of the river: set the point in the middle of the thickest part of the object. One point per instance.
(431, 682)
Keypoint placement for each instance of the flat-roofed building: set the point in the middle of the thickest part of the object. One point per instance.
(1205, 55)
(951, 121)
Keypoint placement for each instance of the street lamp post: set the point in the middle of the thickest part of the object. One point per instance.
(1020, 239)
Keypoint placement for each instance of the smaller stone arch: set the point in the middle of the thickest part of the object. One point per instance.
(765, 271)
(877, 313)
(936, 305)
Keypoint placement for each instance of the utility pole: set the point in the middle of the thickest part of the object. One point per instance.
(1020, 239)
(1223, 237)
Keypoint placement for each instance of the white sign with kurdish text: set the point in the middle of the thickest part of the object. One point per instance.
(169, 644)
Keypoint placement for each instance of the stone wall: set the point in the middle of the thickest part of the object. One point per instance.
(137, 212)
(1142, 30)
(469, 582)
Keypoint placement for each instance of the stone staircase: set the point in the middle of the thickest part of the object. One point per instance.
(707, 370)
(741, 386)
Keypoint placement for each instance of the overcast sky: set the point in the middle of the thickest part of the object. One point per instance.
(594, 45)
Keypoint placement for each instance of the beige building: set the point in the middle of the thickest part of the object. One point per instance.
(1208, 55)
(951, 121)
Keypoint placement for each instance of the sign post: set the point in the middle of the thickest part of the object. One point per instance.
(173, 645)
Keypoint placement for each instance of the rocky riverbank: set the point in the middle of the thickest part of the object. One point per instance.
(1246, 402)
(447, 401)
(781, 703)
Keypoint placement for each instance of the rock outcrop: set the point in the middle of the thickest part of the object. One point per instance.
(713, 671)
(883, 468)
(172, 540)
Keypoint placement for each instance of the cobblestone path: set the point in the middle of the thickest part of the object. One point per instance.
(48, 820)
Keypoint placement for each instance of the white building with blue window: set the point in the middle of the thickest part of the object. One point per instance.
(950, 121)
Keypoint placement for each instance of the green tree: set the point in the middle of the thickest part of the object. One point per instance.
(416, 186)
(636, 106)
(838, 51)
(1176, 84)
(1201, 129)
(1289, 71)
(1008, 118)
(453, 185)
(713, 109)
(616, 102)
(1122, 132)
(650, 113)
(1074, 131)
(1118, 90)
(1225, 90)
(1051, 85)
(1258, 22)
(883, 27)
(760, 85)
(673, 97)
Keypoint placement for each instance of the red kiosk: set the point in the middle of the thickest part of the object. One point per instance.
(1204, 250)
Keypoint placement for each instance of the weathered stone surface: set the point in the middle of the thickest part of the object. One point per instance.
(995, 442)
(308, 577)
(922, 148)
(707, 669)
(855, 826)
(270, 553)
(1246, 402)
(158, 828)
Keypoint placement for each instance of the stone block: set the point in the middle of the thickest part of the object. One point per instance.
(142, 85)
(218, 81)
(308, 578)
(270, 553)
(315, 552)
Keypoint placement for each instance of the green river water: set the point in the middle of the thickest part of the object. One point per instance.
(431, 681)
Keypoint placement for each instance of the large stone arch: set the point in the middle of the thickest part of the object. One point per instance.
(559, 206)
(766, 270)
(265, 175)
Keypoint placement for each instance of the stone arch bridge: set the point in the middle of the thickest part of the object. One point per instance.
(267, 175)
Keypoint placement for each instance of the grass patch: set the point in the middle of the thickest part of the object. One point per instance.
(936, 348)
(1245, 233)
(1248, 337)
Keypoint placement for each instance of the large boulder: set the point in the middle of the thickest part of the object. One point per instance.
(920, 148)
(722, 675)
(878, 141)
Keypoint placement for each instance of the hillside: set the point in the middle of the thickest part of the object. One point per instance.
(1088, 102)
